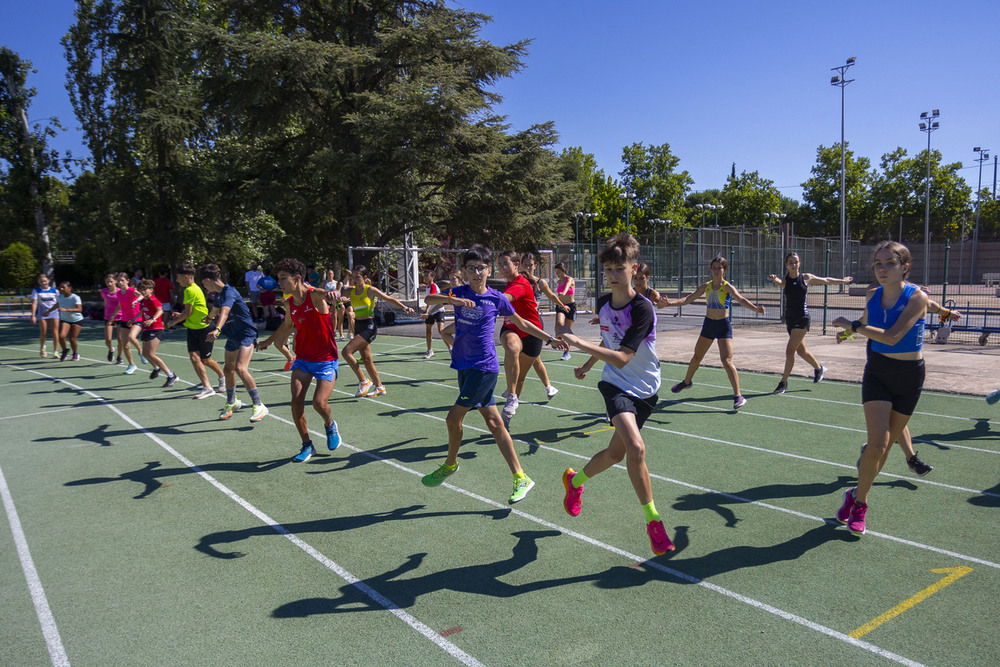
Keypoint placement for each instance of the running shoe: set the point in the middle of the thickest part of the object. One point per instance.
(430, 353)
(680, 386)
(658, 538)
(204, 393)
(991, 397)
(739, 402)
(844, 513)
(573, 502)
(75, 357)
(781, 388)
(111, 356)
(142, 359)
(566, 356)
(259, 412)
(918, 466)
(376, 391)
(332, 437)
(155, 374)
(819, 373)
(288, 365)
(229, 408)
(438, 475)
(521, 487)
(171, 379)
(504, 394)
(856, 522)
(363, 388)
(307, 453)
(222, 385)
(130, 369)
(551, 391)
(44, 353)
(118, 361)
(64, 354)
(511, 405)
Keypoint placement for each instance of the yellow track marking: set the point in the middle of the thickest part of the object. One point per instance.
(954, 573)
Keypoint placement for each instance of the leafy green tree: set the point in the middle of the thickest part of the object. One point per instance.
(25, 159)
(821, 193)
(747, 198)
(18, 266)
(650, 173)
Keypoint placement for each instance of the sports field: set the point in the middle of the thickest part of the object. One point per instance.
(140, 529)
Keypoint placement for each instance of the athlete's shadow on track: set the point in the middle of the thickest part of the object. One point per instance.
(481, 579)
(207, 544)
(979, 431)
(557, 435)
(388, 452)
(103, 437)
(151, 474)
(987, 501)
(718, 502)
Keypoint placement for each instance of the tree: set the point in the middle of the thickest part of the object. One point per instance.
(24, 148)
(821, 193)
(18, 267)
(650, 174)
(747, 198)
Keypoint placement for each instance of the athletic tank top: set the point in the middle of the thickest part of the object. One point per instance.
(719, 298)
(884, 319)
(314, 336)
(362, 303)
(795, 297)
(562, 285)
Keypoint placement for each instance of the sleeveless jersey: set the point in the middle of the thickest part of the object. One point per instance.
(719, 298)
(884, 319)
(795, 297)
(314, 335)
(362, 303)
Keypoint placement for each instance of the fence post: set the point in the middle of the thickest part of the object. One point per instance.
(826, 288)
(680, 262)
(944, 283)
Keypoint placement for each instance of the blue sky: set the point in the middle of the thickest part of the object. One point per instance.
(720, 81)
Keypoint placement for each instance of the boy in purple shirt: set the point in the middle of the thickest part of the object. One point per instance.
(474, 356)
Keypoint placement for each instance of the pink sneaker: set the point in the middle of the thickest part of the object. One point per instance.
(573, 502)
(658, 538)
(856, 524)
(844, 513)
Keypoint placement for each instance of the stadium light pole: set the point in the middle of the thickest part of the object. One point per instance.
(841, 81)
(928, 125)
(983, 157)
(629, 197)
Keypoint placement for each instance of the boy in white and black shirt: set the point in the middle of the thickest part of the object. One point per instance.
(629, 382)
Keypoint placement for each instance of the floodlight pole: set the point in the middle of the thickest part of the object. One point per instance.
(841, 81)
(983, 156)
(929, 125)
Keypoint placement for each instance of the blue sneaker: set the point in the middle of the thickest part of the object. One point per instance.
(993, 397)
(332, 436)
(307, 452)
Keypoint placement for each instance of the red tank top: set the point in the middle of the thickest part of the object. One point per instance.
(524, 304)
(314, 340)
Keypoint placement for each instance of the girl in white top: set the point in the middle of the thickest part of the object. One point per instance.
(44, 300)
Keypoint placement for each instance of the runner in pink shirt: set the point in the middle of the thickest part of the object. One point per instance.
(129, 326)
(109, 293)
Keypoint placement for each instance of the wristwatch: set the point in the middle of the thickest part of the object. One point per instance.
(549, 341)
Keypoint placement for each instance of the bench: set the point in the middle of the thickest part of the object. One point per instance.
(859, 290)
(989, 279)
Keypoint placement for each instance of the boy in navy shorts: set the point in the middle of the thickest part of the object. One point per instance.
(233, 319)
(474, 356)
(629, 382)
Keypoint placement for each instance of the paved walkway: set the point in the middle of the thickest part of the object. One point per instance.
(952, 367)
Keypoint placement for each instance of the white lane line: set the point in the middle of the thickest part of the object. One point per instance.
(351, 579)
(48, 622)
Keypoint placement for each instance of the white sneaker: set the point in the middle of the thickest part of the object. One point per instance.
(551, 391)
(363, 388)
(204, 393)
(222, 385)
(430, 353)
(130, 369)
(565, 356)
(259, 412)
(510, 407)
(229, 408)
(505, 395)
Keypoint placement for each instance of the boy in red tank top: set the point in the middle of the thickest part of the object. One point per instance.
(315, 352)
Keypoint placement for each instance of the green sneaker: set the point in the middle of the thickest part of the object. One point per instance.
(521, 487)
(439, 475)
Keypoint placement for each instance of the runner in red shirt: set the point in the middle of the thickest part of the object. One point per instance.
(315, 352)
(152, 330)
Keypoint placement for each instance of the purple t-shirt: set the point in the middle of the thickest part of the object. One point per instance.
(474, 347)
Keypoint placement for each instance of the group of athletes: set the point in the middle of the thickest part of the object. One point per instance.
(893, 323)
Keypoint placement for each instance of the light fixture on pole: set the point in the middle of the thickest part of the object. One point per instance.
(716, 208)
(841, 81)
(928, 124)
(983, 157)
(629, 197)
(702, 207)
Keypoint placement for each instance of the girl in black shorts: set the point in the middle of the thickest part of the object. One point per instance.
(795, 285)
(894, 375)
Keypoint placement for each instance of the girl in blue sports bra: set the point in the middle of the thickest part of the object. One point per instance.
(718, 295)
(894, 374)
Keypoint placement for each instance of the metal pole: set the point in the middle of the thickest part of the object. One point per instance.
(944, 284)
(826, 288)
(927, 216)
(983, 156)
